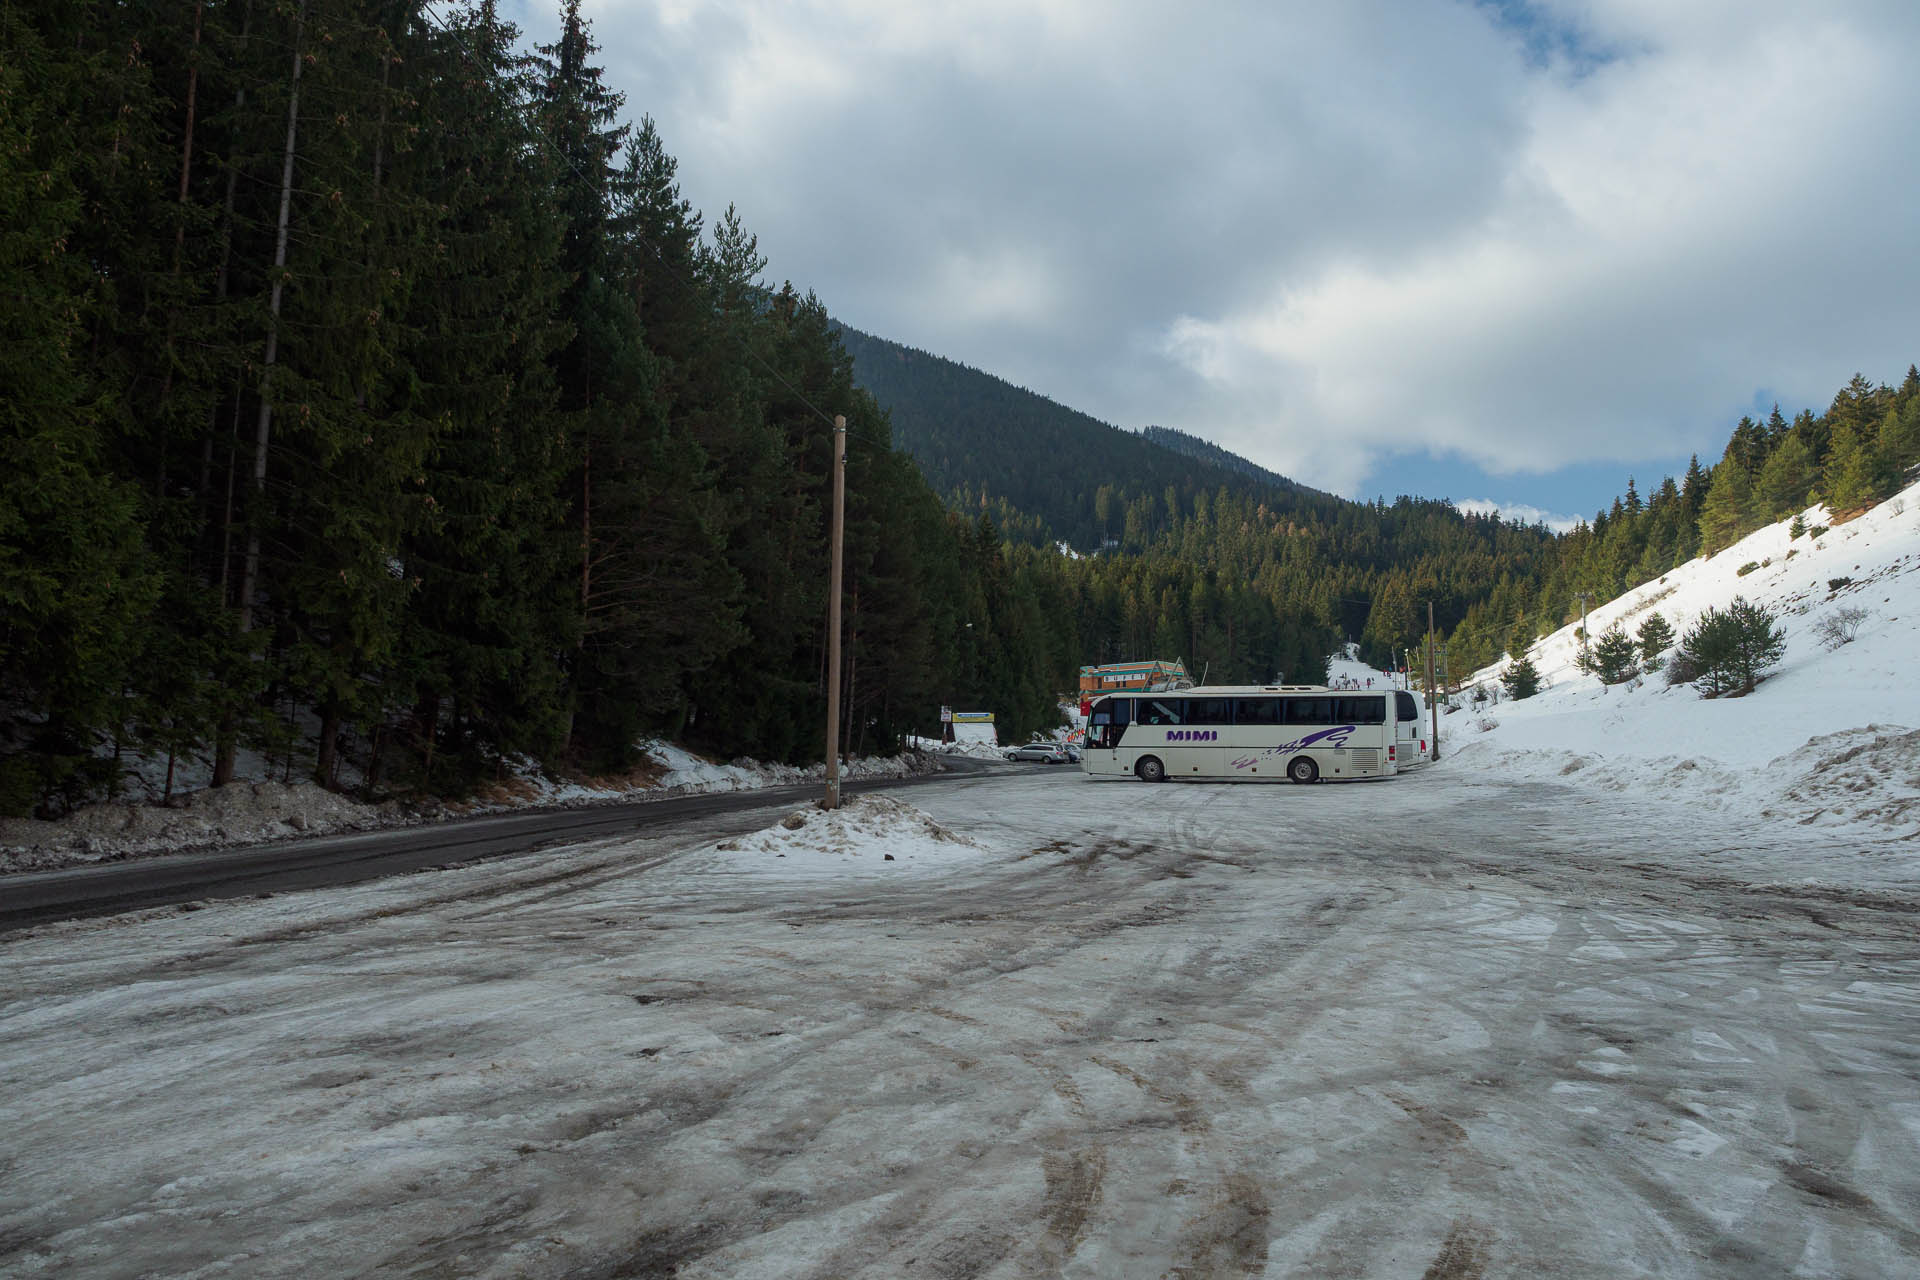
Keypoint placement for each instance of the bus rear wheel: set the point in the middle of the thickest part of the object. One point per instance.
(1303, 770)
(1151, 770)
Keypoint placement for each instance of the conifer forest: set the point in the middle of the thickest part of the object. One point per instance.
(374, 404)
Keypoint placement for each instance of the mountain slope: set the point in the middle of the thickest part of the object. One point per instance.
(1206, 451)
(1039, 466)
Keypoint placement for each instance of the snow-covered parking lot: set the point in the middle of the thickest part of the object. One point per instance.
(1445, 1025)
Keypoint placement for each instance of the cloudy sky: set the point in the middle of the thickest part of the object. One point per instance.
(1500, 252)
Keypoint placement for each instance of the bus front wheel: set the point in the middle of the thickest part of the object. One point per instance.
(1151, 770)
(1303, 770)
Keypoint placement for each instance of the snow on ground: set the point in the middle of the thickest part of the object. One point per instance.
(859, 838)
(1831, 739)
(975, 748)
(253, 812)
(1347, 671)
(1446, 1024)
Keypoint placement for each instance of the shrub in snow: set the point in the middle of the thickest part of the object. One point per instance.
(1840, 626)
(1681, 669)
(1655, 635)
(1798, 528)
(1732, 648)
(1747, 568)
(1834, 584)
(1522, 679)
(1816, 530)
(1612, 657)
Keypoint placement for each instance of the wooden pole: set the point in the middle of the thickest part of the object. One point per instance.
(1433, 701)
(833, 612)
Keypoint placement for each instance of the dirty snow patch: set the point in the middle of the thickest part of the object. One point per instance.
(239, 813)
(867, 834)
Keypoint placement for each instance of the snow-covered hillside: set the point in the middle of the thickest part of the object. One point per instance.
(1830, 739)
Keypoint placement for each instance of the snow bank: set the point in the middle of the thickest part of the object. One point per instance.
(867, 835)
(976, 749)
(1828, 739)
(252, 812)
(240, 813)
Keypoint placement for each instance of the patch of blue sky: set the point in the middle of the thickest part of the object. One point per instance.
(1550, 38)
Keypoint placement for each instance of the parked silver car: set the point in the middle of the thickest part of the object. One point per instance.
(1045, 752)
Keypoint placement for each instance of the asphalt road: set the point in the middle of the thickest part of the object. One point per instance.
(279, 866)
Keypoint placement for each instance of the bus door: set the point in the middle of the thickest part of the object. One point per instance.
(1409, 731)
(1105, 727)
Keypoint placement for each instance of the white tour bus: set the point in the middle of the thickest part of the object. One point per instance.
(1259, 733)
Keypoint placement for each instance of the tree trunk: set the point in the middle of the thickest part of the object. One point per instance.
(326, 765)
(263, 432)
(179, 244)
(226, 734)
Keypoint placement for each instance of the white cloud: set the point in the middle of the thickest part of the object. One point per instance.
(1320, 234)
(1517, 511)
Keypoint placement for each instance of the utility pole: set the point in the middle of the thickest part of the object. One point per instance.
(1433, 702)
(833, 612)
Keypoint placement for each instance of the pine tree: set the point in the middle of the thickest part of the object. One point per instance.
(1655, 636)
(1776, 429)
(1391, 624)
(1814, 433)
(1726, 515)
(1612, 657)
(1900, 434)
(1785, 480)
(1858, 472)
(1693, 488)
(1748, 446)
(1521, 679)
(1731, 649)
(75, 580)
(489, 566)
(656, 598)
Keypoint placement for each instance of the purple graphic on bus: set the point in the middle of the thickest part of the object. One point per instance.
(1334, 739)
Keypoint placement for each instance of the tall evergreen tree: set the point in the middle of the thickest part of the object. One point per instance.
(1858, 471)
(1727, 513)
(1785, 480)
(75, 579)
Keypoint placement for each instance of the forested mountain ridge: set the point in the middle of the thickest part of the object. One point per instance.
(1195, 447)
(1365, 571)
(1042, 470)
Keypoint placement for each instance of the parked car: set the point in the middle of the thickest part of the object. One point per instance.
(1044, 752)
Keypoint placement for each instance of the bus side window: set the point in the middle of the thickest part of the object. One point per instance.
(1256, 711)
(1208, 711)
(1155, 711)
(1406, 707)
(1360, 710)
(1309, 711)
